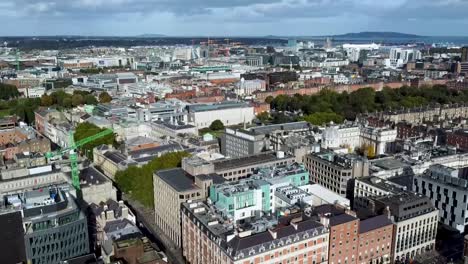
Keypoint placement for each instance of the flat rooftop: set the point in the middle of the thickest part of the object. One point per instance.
(92, 176)
(178, 179)
(389, 164)
(374, 223)
(228, 164)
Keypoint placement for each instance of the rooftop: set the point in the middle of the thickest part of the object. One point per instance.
(178, 179)
(255, 235)
(389, 164)
(374, 223)
(383, 184)
(228, 164)
(217, 106)
(91, 176)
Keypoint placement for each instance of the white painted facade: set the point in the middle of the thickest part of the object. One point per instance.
(229, 116)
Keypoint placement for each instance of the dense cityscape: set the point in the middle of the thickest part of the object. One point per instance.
(346, 149)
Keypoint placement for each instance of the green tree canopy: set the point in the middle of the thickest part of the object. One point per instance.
(8, 91)
(263, 117)
(85, 130)
(217, 125)
(322, 118)
(90, 100)
(104, 97)
(138, 182)
(47, 100)
(77, 99)
(348, 105)
(269, 99)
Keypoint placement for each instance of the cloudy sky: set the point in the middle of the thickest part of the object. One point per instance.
(232, 17)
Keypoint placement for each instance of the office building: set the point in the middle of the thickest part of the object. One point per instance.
(464, 55)
(237, 143)
(415, 220)
(12, 237)
(372, 186)
(336, 172)
(265, 191)
(236, 168)
(447, 188)
(172, 188)
(54, 227)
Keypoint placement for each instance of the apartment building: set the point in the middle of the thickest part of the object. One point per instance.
(375, 240)
(335, 172)
(344, 233)
(208, 238)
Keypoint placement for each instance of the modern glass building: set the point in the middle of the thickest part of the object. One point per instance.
(55, 229)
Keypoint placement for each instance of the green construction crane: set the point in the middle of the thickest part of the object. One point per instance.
(17, 60)
(73, 153)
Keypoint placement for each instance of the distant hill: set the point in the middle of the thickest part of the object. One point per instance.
(377, 35)
(151, 36)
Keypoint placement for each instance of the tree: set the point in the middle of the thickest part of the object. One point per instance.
(62, 83)
(269, 99)
(77, 99)
(24, 108)
(104, 97)
(8, 91)
(85, 130)
(263, 117)
(67, 102)
(90, 100)
(217, 125)
(47, 100)
(138, 182)
(322, 118)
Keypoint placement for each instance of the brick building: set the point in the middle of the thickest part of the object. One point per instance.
(458, 139)
(375, 240)
(207, 238)
(344, 228)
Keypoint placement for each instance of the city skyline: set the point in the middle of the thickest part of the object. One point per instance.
(237, 17)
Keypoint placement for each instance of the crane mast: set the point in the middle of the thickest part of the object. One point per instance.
(72, 151)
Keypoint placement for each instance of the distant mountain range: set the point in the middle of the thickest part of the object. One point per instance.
(359, 35)
(369, 34)
(151, 36)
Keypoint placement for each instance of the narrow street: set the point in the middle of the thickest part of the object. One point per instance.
(145, 221)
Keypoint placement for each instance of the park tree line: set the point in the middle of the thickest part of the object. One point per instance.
(84, 130)
(329, 105)
(61, 99)
(138, 181)
(8, 91)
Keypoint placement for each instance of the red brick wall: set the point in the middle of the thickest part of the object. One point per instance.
(375, 244)
(343, 242)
